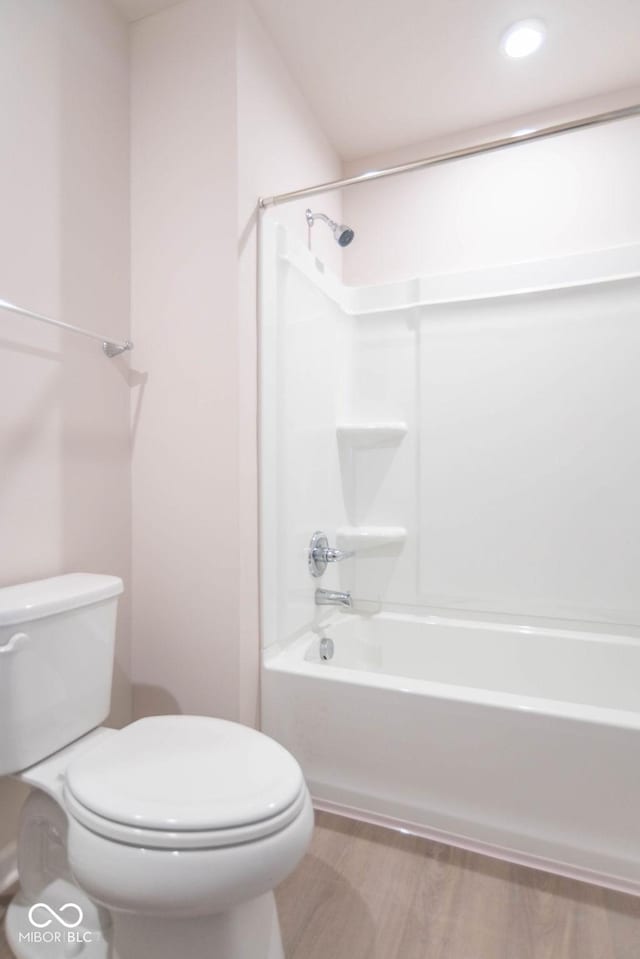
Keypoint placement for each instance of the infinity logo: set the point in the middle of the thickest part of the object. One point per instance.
(56, 915)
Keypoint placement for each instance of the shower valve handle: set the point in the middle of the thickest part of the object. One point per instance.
(331, 555)
(321, 554)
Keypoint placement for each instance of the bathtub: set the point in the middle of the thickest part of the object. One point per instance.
(518, 742)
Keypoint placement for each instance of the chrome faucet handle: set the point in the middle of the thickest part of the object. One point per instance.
(332, 555)
(321, 554)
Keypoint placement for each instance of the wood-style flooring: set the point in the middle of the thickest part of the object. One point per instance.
(4, 948)
(363, 892)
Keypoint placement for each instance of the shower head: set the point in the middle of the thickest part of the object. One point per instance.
(343, 234)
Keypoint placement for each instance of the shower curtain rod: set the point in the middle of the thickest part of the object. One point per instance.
(439, 158)
(110, 347)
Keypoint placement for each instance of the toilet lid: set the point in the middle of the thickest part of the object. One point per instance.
(178, 773)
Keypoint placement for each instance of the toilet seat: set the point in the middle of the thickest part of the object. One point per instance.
(186, 838)
(184, 782)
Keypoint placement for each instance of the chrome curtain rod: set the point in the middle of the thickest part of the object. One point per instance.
(110, 347)
(439, 158)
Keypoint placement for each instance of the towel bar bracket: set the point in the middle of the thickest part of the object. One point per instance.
(115, 349)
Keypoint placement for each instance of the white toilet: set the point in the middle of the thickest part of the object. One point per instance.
(163, 839)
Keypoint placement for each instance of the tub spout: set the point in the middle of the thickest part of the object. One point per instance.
(332, 597)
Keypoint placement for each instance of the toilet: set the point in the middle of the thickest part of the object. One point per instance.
(162, 839)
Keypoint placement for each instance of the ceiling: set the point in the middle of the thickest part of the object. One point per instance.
(380, 74)
(383, 73)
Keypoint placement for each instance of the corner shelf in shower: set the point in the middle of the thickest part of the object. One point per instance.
(372, 434)
(370, 537)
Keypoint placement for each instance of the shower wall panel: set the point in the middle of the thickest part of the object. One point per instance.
(471, 436)
(304, 366)
(529, 478)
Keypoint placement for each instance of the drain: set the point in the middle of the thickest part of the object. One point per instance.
(326, 648)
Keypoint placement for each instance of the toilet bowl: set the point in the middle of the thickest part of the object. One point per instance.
(162, 839)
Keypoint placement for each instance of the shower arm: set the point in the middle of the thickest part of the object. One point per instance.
(312, 217)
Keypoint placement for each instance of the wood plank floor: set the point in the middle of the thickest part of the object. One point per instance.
(364, 892)
(4, 948)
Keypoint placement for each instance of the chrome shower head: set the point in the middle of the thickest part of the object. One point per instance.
(343, 234)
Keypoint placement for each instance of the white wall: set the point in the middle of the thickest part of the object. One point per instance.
(64, 251)
(216, 121)
(564, 195)
(280, 146)
(185, 410)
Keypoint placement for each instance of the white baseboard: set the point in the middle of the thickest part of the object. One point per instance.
(8, 868)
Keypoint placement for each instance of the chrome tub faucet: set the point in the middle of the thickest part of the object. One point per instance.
(333, 597)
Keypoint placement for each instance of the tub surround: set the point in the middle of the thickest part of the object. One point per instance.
(459, 433)
(468, 423)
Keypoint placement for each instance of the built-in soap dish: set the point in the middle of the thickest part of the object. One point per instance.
(361, 538)
(372, 434)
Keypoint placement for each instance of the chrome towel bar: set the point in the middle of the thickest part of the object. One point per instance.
(110, 347)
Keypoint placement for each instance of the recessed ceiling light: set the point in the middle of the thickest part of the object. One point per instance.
(523, 38)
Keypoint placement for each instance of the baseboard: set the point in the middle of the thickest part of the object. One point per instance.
(8, 868)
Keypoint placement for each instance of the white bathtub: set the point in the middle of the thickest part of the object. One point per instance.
(520, 742)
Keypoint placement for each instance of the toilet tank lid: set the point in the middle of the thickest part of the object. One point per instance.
(45, 597)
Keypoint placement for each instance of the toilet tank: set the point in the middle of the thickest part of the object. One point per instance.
(56, 663)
